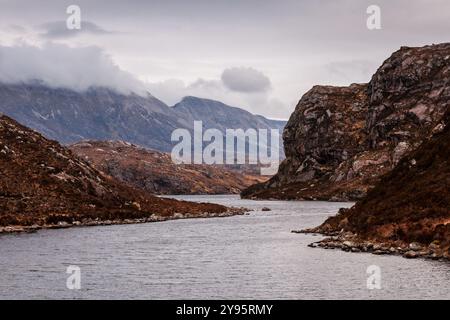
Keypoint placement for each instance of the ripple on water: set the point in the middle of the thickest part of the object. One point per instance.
(241, 257)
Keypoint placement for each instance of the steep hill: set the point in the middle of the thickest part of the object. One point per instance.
(43, 183)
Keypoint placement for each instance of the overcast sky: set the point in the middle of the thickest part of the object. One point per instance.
(261, 55)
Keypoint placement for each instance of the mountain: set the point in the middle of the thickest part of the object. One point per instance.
(102, 114)
(43, 183)
(340, 140)
(69, 116)
(155, 172)
(216, 114)
(409, 209)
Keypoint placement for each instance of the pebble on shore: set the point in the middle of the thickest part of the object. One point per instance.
(349, 242)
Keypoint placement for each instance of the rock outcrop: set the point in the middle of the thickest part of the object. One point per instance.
(340, 140)
(155, 171)
(408, 210)
(44, 184)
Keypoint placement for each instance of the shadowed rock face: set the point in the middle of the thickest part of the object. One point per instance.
(340, 140)
(332, 120)
(155, 172)
(42, 182)
(410, 203)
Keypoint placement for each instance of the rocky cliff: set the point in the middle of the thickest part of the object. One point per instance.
(155, 172)
(340, 140)
(43, 183)
(408, 211)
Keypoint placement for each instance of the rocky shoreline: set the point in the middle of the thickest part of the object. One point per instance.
(350, 242)
(88, 222)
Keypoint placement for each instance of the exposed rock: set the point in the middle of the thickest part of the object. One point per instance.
(348, 244)
(340, 140)
(411, 254)
(415, 246)
(409, 206)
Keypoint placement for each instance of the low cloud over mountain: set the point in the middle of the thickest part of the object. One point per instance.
(57, 65)
(79, 68)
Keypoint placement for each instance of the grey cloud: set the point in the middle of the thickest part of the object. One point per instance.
(59, 65)
(245, 80)
(173, 90)
(299, 43)
(16, 28)
(58, 29)
(206, 84)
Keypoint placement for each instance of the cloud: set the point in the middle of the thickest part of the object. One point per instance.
(59, 65)
(15, 28)
(259, 102)
(58, 29)
(79, 68)
(351, 70)
(245, 80)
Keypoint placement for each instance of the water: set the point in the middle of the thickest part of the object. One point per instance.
(241, 257)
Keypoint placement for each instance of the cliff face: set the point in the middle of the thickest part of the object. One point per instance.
(42, 183)
(410, 204)
(155, 172)
(340, 140)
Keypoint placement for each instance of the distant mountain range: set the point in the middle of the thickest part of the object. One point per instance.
(102, 114)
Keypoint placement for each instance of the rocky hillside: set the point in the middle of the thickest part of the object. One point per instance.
(43, 183)
(340, 140)
(101, 114)
(155, 172)
(410, 205)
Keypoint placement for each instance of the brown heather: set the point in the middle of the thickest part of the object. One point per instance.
(42, 183)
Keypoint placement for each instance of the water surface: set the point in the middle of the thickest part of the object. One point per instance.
(243, 257)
